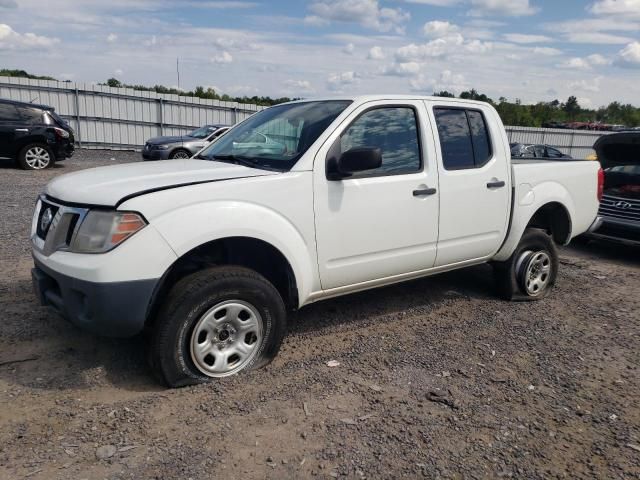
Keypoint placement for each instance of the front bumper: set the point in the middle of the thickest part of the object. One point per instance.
(155, 154)
(113, 309)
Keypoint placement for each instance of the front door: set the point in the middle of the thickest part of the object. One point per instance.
(383, 222)
(475, 182)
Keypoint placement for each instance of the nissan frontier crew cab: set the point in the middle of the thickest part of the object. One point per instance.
(300, 202)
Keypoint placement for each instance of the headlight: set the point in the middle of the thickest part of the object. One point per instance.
(103, 230)
(161, 147)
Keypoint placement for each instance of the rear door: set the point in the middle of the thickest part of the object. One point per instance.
(474, 182)
(8, 125)
(384, 222)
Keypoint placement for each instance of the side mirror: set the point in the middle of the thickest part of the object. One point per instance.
(357, 159)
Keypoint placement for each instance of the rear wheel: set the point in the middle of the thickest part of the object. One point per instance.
(180, 154)
(35, 157)
(216, 323)
(531, 270)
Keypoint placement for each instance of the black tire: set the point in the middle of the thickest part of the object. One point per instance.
(171, 335)
(178, 152)
(23, 162)
(510, 276)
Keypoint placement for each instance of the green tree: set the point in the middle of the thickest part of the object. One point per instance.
(572, 107)
(114, 82)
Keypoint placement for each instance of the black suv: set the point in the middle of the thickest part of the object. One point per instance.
(33, 135)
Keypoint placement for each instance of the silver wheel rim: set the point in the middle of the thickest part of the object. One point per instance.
(226, 338)
(180, 154)
(37, 158)
(536, 272)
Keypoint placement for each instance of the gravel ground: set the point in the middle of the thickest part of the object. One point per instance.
(437, 378)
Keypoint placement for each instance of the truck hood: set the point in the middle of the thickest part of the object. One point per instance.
(109, 186)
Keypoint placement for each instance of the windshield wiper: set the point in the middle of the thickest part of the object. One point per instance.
(244, 161)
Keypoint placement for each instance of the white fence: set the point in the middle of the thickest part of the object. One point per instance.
(577, 143)
(105, 117)
(123, 118)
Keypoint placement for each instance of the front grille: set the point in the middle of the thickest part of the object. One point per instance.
(58, 233)
(620, 208)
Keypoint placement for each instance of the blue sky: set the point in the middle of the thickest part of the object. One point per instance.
(528, 49)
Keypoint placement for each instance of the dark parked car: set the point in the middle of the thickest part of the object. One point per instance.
(619, 215)
(33, 135)
(537, 151)
(184, 146)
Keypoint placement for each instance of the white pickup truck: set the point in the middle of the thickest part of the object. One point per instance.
(300, 202)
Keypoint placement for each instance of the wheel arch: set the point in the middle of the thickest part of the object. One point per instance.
(249, 252)
(554, 214)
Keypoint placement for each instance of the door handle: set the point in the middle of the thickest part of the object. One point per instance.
(424, 192)
(496, 184)
(22, 129)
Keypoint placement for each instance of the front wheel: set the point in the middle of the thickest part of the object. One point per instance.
(531, 271)
(216, 323)
(179, 154)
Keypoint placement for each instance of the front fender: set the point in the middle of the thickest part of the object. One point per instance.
(528, 200)
(190, 226)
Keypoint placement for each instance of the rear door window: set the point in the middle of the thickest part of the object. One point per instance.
(464, 138)
(455, 138)
(30, 115)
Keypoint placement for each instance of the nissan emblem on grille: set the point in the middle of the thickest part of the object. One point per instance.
(623, 205)
(45, 221)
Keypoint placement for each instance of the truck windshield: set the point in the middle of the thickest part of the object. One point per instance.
(276, 137)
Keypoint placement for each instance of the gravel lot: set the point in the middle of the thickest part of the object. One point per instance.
(437, 378)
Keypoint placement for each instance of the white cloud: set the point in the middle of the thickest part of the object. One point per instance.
(8, 4)
(597, 59)
(118, 72)
(364, 12)
(616, 7)
(547, 51)
(579, 63)
(437, 28)
(336, 81)
(524, 38)
(509, 8)
(441, 47)
(112, 37)
(435, 48)
(349, 48)
(10, 39)
(629, 56)
(597, 38)
(315, 21)
(585, 102)
(375, 53)
(576, 63)
(447, 80)
(222, 57)
(585, 85)
(299, 85)
(406, 69)
(436, 3)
